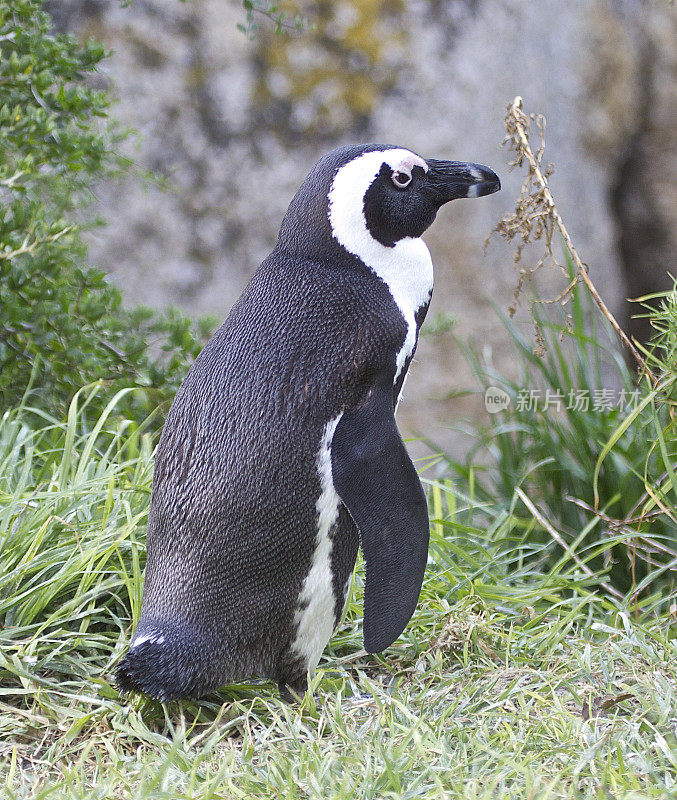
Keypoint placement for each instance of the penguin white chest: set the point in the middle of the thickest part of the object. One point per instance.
(316, 609)
(408, 274)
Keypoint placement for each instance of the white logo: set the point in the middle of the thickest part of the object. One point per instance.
(496, 399)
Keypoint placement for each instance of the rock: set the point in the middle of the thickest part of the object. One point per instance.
(232, 125)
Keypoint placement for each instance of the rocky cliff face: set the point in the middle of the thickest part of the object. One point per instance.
(232, 126)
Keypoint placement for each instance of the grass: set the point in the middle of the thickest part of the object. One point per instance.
(518, 677)
(595, 477)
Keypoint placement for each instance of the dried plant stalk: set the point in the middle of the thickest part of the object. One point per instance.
(536, 217)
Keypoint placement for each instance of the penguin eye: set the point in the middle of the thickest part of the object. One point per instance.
(401, 179)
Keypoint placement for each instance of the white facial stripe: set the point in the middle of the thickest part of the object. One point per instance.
(317, 608)
(406, 268)
(408, 163)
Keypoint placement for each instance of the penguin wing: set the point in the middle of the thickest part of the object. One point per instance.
(375, 479)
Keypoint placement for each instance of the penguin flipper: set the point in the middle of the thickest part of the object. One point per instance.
(375, 478)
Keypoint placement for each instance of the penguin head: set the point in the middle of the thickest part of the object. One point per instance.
(376, 195)
(395, 194)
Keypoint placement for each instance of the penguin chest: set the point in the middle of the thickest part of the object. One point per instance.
(315, 614)
(407, 271)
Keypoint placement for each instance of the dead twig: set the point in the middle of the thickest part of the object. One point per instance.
(536, 217)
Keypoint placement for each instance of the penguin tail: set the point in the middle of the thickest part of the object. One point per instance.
(156, 667)
(129, 675)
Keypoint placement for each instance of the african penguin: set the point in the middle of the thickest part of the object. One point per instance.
(280, 454)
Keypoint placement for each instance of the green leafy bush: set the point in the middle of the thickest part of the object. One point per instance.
(62, 322)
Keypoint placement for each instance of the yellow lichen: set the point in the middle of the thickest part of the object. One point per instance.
(329, 79)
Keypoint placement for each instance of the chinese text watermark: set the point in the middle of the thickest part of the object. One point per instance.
(599, 400)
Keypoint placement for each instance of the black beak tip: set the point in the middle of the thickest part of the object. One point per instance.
(449, 180)
(484, 188)
(488, 183)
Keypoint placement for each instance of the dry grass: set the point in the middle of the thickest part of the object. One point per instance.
(536, 218)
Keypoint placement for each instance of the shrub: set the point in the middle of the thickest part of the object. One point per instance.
(63, 324)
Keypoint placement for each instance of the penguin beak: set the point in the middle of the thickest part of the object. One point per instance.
(449, 180)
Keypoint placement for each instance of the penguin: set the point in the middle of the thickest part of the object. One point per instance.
(280, 455)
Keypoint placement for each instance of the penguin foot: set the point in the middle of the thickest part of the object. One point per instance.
(292, 692)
